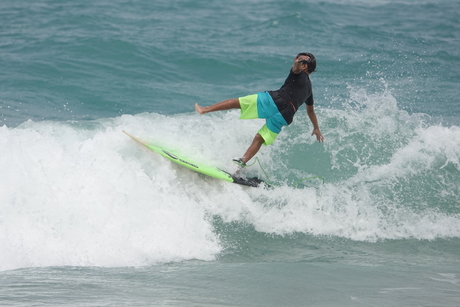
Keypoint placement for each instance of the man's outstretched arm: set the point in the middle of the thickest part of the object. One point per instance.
(312, 115)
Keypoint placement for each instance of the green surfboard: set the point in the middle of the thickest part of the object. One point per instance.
(198, 167)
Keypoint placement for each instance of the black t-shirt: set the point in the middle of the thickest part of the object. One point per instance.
(295, 91)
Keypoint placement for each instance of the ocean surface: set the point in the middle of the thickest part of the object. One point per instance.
(88, 217)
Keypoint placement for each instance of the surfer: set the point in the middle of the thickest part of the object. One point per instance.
(276, 107)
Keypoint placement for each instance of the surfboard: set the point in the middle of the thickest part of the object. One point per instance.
(198, 167)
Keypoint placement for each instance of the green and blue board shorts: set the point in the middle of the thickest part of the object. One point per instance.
(261, 105)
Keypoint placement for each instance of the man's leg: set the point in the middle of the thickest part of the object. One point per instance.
(228, 104)
(253, 149)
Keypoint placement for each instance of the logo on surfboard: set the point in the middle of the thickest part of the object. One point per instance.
(177, 158)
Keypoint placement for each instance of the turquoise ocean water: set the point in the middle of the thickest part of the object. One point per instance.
(90, 218)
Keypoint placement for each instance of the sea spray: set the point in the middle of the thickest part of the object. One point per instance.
(86, 194)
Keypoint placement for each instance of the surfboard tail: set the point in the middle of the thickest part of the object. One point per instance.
(252, 182)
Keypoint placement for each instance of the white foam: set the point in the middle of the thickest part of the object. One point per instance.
(93, 200)
(86, 194)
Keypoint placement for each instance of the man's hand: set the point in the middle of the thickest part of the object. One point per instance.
(318, 134)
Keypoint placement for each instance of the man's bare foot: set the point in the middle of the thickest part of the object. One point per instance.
(199, 109)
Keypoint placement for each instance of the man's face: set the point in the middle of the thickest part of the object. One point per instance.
(304, 59)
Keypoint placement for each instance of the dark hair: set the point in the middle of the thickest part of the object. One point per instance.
(310, 62)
